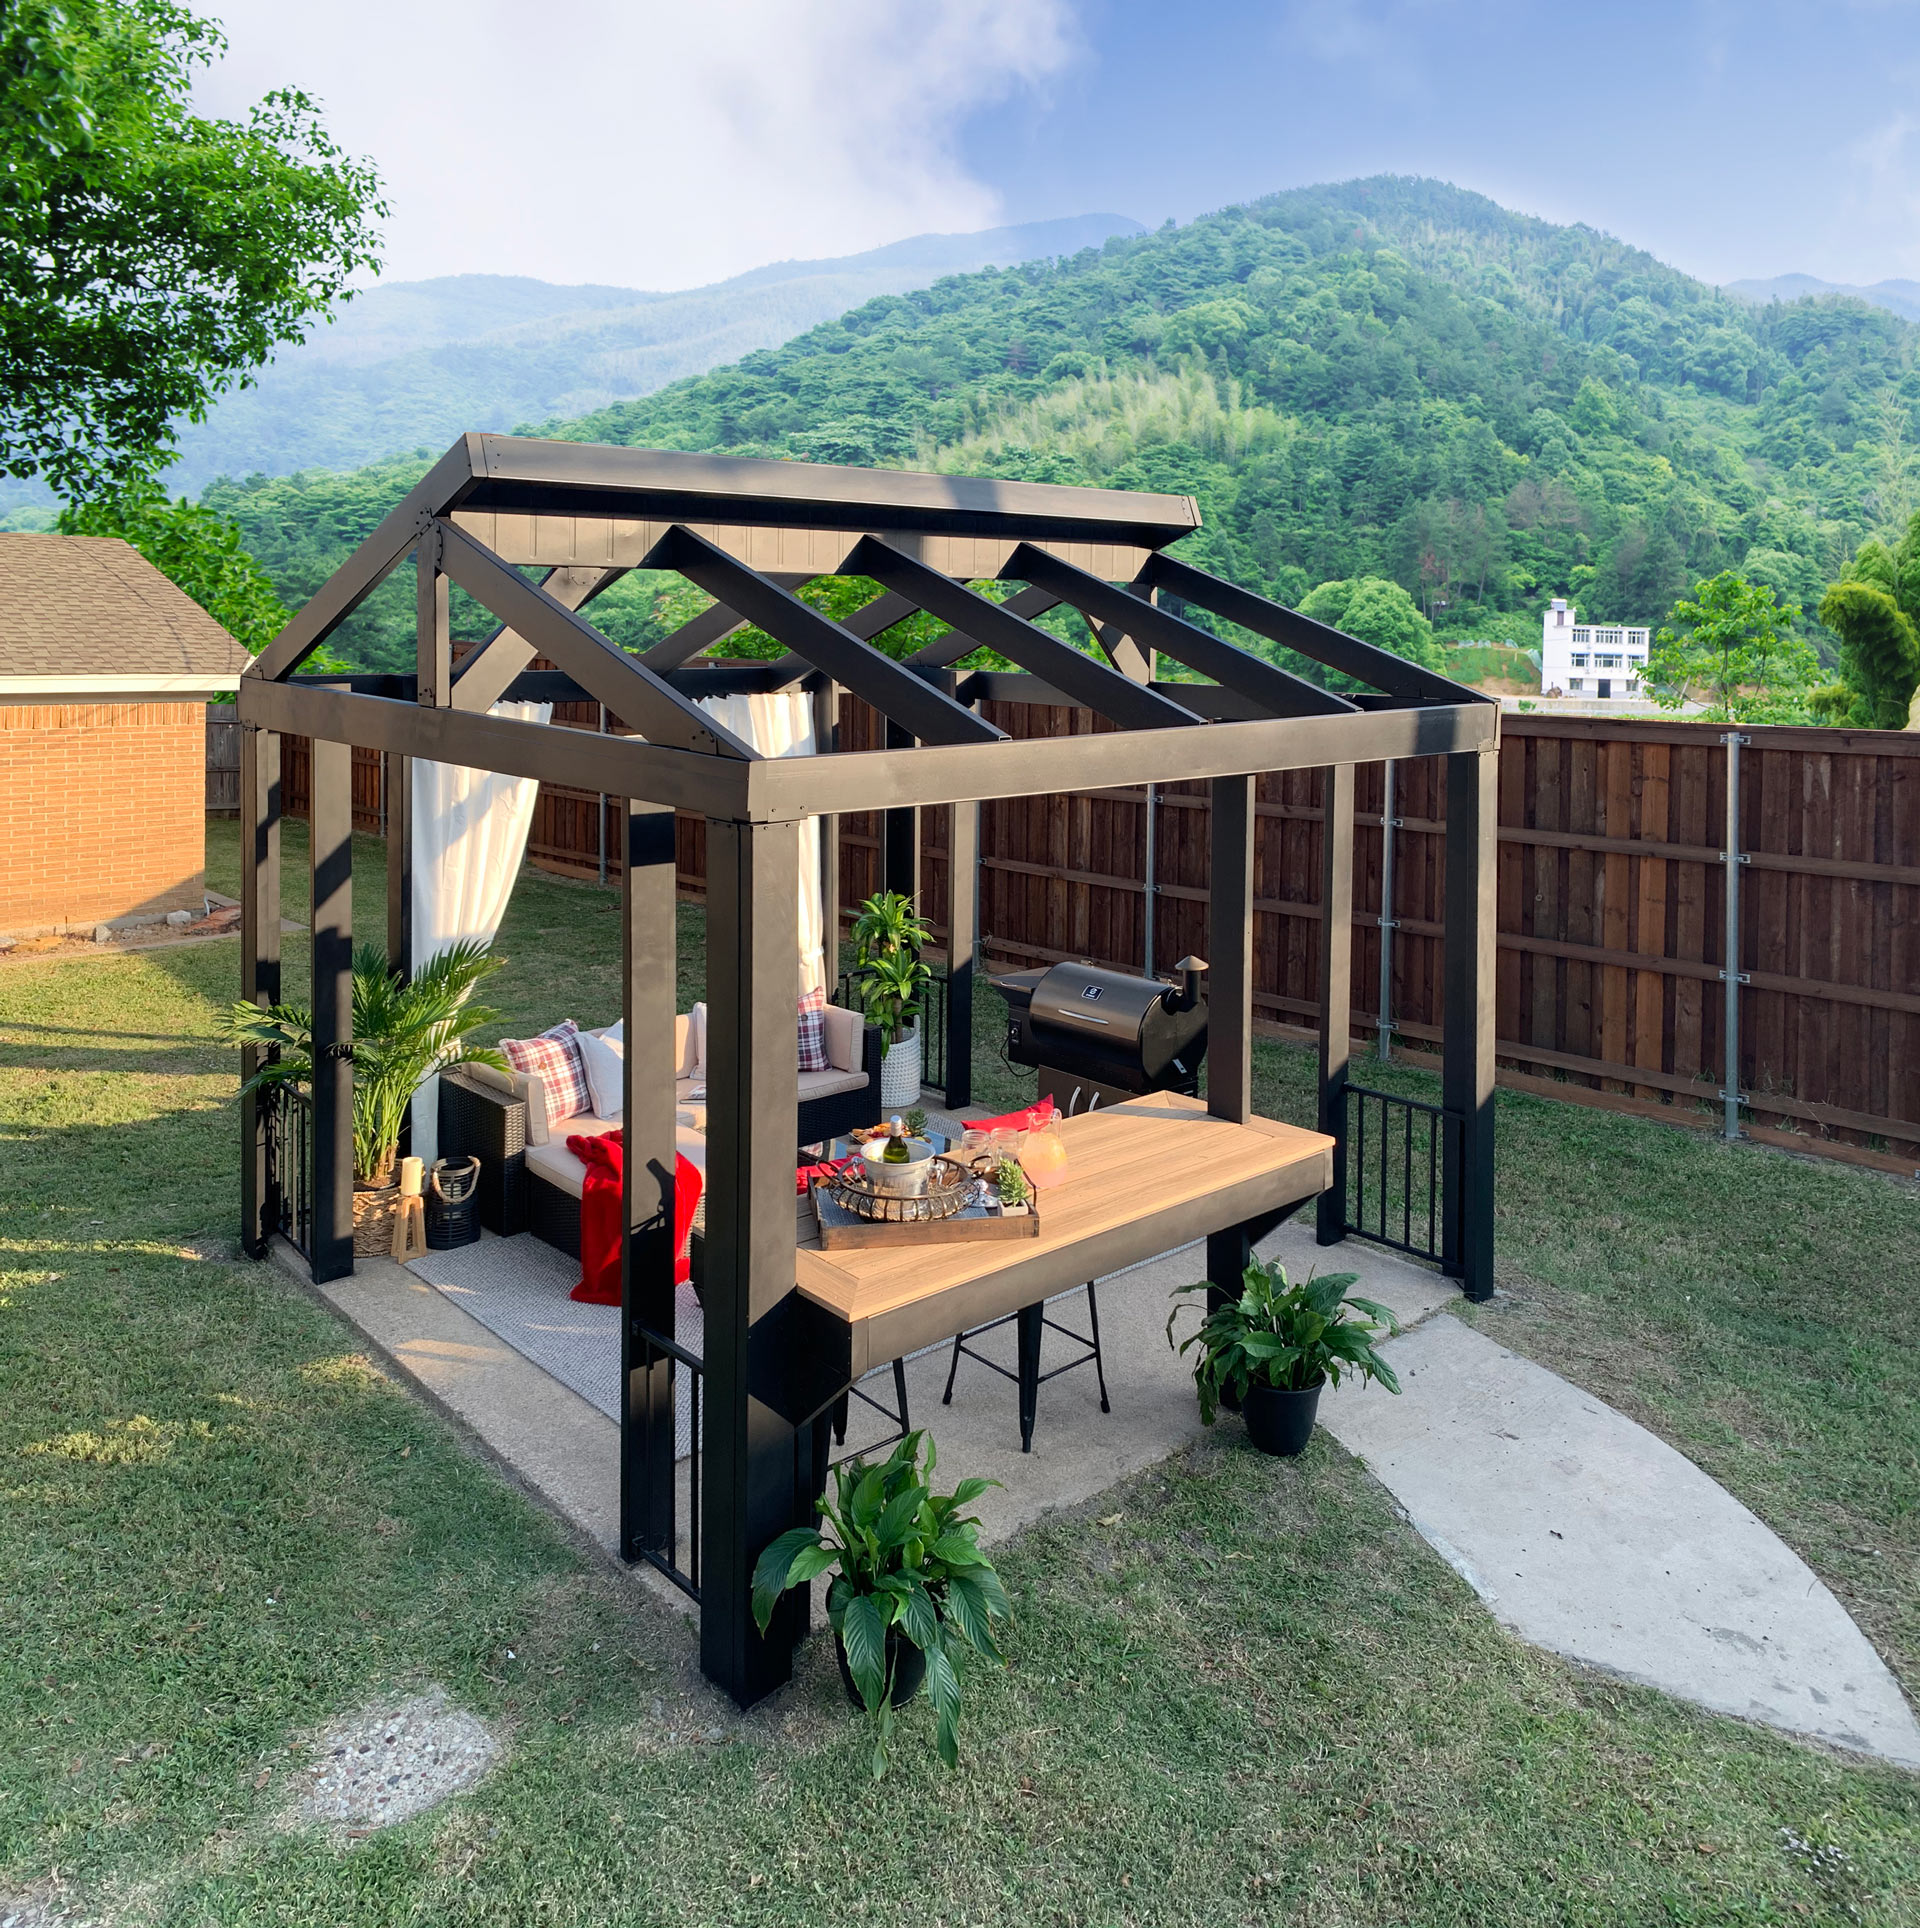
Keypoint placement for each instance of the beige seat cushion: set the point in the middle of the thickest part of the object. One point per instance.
(558, 1166)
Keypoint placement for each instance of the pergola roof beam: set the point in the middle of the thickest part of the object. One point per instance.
(947, 650)
(782, 787)
(622, 766)
(918, 707)
(639, 698)
(522, 472)
(441, 488)
(1277, 692)
(486, 675)
(1085, 679)
(1364, 662)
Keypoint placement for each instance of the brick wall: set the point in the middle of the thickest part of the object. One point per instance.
(102, 811)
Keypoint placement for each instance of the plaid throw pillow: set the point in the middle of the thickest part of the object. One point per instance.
(813, 1032)
(555, 1057)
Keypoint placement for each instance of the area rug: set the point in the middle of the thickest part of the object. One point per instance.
(518, 1289)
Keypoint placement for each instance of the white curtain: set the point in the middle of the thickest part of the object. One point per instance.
(782, 725)
(469, 835)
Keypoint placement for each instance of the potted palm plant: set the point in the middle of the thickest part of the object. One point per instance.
(912, 1594)
(405, 1029)
(892, 977)
(1272, 1349)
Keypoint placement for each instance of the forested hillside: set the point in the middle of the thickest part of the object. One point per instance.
(1385, 378)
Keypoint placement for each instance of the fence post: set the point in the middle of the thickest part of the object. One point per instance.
(1336, 988)
(1731, 975)
(1383, 1037)
(1147, 901)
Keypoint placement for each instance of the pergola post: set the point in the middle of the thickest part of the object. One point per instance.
(647, 1197)
(1473, 828)
(259, 964)
(758, 1466)
(330, 843)
(396, 781)
(1336, 989)
(963, 942)
(1230, 993)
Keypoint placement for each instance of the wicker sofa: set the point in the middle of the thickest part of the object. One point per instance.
(530, 1182)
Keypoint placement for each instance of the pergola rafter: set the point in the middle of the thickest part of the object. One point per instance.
(749, 533)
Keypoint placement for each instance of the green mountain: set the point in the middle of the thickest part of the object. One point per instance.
(1385, 378)
(416, 363)
(1897, 297)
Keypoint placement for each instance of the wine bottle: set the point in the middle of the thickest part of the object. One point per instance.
(898, 1151)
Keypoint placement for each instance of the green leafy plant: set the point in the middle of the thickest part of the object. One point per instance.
(905, 1563)
(1287, 1336)
(404, 1030)
(888, 937)
(1733, 649)
(916, 1123)
(1012, 1180)
(152, 255)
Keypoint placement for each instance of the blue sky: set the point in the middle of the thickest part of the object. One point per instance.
(1731, 140)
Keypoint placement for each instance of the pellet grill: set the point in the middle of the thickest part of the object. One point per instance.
(1100, 1037)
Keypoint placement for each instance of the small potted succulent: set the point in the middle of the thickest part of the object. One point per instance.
(912, 1595)
(892, 977)
(1272, 1349)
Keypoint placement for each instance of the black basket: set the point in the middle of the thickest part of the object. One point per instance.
(453, 1204)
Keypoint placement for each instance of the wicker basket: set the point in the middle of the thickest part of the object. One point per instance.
(373, 1212)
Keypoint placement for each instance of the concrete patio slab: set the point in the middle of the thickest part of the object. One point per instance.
(1589, 1536)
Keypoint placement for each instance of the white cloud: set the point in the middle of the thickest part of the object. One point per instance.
(649, 144)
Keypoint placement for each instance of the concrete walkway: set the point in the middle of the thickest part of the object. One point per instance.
(1589, 1536)
(1580, 1530)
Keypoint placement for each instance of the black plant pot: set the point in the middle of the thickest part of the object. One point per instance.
(1281, 1422)
(908, 1663)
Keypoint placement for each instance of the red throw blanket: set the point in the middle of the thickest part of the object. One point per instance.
(605, 1160)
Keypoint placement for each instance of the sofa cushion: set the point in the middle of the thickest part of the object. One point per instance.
(813, 1031)
(555, 1056)
(827, 1084)
(846, 1034)
(605, 1059)
(558, 1166)
(524, 1085)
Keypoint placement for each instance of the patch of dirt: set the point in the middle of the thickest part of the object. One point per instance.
(373, 1769)
(222, 922)
(39, 1908)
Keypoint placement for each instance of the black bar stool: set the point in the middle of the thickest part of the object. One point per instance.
(1032, 1322)
(903, 1425)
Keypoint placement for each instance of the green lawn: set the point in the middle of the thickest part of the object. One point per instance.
(1241, 1691)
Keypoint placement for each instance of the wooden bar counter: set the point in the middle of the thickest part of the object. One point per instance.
(1142, 1178)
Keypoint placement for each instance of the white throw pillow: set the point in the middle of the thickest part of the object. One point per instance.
(605, 1059)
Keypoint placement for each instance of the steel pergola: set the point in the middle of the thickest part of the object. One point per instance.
(494, 512)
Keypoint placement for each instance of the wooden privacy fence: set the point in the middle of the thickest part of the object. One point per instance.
(1613, 927)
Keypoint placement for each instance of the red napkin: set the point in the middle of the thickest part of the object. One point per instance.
(1015, 1120)
(605, 1158)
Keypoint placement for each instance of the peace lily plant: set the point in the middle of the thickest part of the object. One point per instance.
(912, 1593)
(1270, 1350)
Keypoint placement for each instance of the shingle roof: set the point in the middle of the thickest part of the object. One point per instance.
(93, 605)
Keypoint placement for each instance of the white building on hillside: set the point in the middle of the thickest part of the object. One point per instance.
(1589, 659)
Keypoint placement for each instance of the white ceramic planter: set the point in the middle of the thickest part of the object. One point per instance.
(900, 1074)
